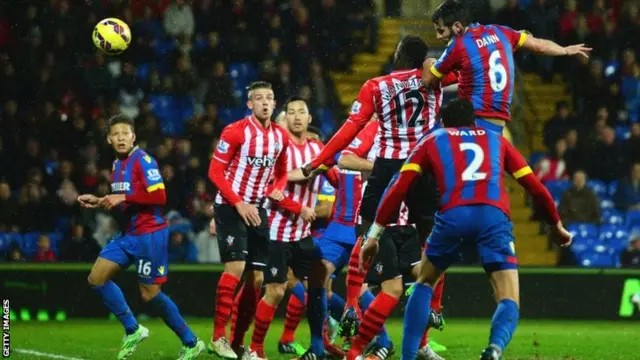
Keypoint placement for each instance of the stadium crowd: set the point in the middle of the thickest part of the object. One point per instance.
(183, 79)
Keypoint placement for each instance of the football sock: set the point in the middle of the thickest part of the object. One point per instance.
(365, 301)
(373, 321)
(113, 299)
(425, 339)
(295, 310)
(436, 300)
(355, 278)
(316, 314)
(336, 306)
(264, 317)
(224, 302)
(416, 318)
(245, 305)
(300, 292)
(169, 312)
(504, 323)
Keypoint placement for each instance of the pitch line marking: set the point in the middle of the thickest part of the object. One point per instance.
(47, 355)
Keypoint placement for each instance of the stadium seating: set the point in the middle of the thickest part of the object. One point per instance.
(633, 219)
(557, 187)
(613, 217)
(599, 187)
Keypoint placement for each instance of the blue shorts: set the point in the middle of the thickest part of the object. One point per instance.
(336, 244)
(483, 225)
(487, 125)
(148, 253)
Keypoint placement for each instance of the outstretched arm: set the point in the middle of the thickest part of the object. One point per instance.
(550, 48)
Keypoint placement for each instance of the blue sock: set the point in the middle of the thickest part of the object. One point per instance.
(298, 291)
(113, 299)
(366, 299)
(316, 314)
(416, 319)
(169, 312)
(504, 323)
(336, 306)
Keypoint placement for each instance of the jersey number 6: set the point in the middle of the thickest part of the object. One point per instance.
(497, 72)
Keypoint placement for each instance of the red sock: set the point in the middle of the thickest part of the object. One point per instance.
(245, 310)
(373, 321)
(295, 311)
(355, 278)
(224, 302)
(425, 338)
(436, 299)
(264, 316)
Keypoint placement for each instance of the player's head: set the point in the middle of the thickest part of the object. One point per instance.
(410, 53)
(261, 100)
(280, 119)
(314, 133)
(121, 135)
(297, 115)
(458, 113)
(450, 19)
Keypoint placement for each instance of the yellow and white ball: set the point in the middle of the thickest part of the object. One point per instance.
(112, 36)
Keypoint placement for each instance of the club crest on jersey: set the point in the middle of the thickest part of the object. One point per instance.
(326, 187)
(263, 161)
(153, 175)
(355, 108)
(274, 271)
(277, 146)
(379, 268)
(222, 147)
(355, 143)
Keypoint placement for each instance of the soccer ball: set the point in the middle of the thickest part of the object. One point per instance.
(112, 36)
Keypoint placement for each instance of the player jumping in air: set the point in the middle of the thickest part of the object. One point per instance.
(291, 245)
(482, 56)
(406, 112)
(468, 163)
(251, 153)
(139, 193)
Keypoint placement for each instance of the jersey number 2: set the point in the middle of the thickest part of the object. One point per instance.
(497, 72)
(416, 98)
(471, 173)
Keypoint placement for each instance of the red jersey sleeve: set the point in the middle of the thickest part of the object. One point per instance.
(450, 79)
(361, 112)
(449, 60)
(146, 171)
(517, 166)
(362, 144)
(516, 38)
(416, 165)
(229, 143)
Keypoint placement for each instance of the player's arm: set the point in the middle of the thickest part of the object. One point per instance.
(517, 166)
(353, 157)
(434, 71)
(351, 161)
(550, 48)
(225, 151)
(151, 178)
(416, 164)
(361, 111)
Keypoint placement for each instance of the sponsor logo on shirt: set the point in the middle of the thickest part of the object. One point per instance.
(223, 147)
(120, 187)
(355, 143)
(355, 108)
(153, 175)
(263, 161)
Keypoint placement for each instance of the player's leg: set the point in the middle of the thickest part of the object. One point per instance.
(497, 253)
(295, 310)
(112, 258)
(232, 242)
(280, 254)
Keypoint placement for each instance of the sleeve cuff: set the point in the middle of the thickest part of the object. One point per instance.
(523, 38)
(435, 72)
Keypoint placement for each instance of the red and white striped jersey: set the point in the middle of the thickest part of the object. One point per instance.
(366, 145)
(251, 154)
(285, 225)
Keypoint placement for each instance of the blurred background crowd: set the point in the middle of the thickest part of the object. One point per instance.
(183, 80)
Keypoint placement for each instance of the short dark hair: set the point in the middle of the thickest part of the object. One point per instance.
(451, 11)
(292, 99)
(315, 130)
(458, 113)
(410, 53)
(258, 85)
(120, 119)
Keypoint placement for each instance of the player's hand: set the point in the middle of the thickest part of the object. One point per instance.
(110, 201)
(249, 214)
(307, 214)
(560, 235)
(368, 252)
(276, 195)
(89, 201)
(307, 169)
(578, 49)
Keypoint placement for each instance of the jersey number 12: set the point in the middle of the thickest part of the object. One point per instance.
(401, 103)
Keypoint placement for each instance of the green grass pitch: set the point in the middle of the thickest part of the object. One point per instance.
(539, 340)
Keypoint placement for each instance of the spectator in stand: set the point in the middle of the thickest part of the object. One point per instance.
(181, 249)
(219, 91)
(79, 247)
(574, 156)
(630, 258)
(605, 44)
(568, 22)
(44, 253)
(542, 21)
(8, 209)
(511, 15)
(632, 145)
(579, 204)
(178, 19)
(627, 196)
(607, 158)
(206, 241)
(553, 166)
(558, 126)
